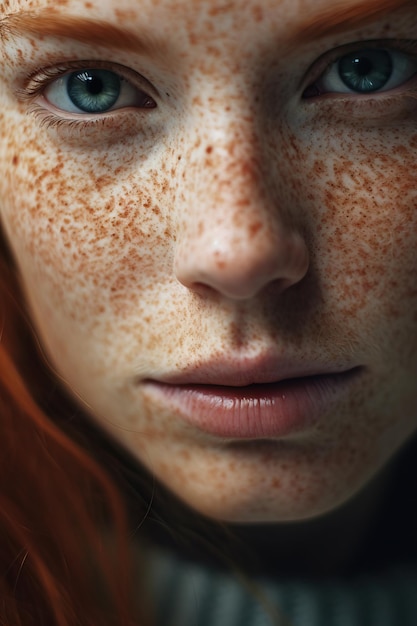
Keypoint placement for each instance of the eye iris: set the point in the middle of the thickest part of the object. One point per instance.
(366, 71)
(94, 91)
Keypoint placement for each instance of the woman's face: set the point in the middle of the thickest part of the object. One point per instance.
(213, 210)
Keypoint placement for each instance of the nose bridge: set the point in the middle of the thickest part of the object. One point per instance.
(231, 193)
(229, 175)
(236, 172)
(233, 233)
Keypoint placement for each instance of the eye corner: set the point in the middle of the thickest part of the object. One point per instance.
(149, 102)
(311, 91)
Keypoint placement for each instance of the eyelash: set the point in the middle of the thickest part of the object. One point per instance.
(50, 120)
(328, 60)
(38, 81)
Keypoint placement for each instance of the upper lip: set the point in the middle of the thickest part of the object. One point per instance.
(242, 372)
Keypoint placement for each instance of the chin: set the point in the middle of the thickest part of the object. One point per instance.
(290, 505)
(236, 511)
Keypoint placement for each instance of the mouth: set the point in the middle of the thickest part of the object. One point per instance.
(226, 405)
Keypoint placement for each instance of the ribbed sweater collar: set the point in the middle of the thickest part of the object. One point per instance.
(187, 594)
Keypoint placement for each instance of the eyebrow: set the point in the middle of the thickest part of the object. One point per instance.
(347, 15)
(339, 16)
(48, 23)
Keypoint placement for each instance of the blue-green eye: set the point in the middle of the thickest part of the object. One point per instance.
(365, 71)
(95, 91)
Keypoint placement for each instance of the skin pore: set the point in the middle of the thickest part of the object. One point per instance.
(247, 209)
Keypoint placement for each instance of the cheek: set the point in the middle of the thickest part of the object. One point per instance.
(86, 232)
(359, 208)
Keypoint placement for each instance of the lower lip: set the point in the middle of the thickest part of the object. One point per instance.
(274, 410)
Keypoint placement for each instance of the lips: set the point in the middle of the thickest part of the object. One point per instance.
(248, 371)
(251, 399)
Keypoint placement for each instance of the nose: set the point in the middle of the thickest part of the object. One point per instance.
(236, 238)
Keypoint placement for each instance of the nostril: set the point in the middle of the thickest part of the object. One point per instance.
(202, 289)
(237, 254)
(240, 270)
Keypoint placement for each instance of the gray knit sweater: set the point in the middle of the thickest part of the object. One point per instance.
(186, 594)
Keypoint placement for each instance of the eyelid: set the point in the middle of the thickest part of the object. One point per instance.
(37, 81)
(326, 60)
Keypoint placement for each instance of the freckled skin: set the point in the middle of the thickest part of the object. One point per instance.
(234, 218)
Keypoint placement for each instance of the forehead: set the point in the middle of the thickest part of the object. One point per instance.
(125, 9)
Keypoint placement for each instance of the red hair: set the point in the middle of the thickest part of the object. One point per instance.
(56, 566)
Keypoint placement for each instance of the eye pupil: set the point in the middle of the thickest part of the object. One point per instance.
(362, 66)
(367, 71)
(94, 91)
(95, 85)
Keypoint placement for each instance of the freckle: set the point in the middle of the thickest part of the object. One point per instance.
(185, 454)
(236, 335)
(88, 5)
(399, 149)
(209, 149)
(413, 141)
(257, 13)
(255, 228)
(15, 160)
(319, 167)
(218, 10)
(125, 14)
